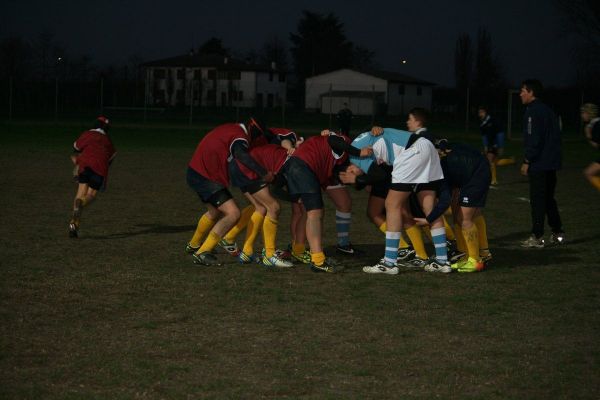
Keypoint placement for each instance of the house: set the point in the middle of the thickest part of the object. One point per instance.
(366, 92)
(213, 80)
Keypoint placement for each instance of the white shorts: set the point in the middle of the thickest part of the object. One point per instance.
(420, 163)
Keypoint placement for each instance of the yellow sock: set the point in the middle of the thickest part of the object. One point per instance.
(298, 248)
(269, 235)
(383, 227)
(595, 181)
(449, 232)
(482, 232)
(505, 161)
(460, 239)
(256, 221)
(210, 243)
(83, 201)
(205, 224)
(403, 244)
(317, 258)
(493, 169)
(472, 241)
(241, 224)
(416, 238)
(427, 232)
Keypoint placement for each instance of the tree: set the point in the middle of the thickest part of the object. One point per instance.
(274, 50)
(487, 67)
(15, 57)
(319, 45)
(463, 61)
(363, 58)
(213, 46)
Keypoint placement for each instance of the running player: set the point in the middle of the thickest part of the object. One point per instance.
(94, 154)
(492, 136)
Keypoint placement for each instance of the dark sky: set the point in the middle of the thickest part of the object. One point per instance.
(525, 33)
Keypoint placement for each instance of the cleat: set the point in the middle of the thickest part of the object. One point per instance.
(304, 258)
(533, 242)
(230, 248)
(205, 258)
(454, 254)
(406, 254)
(381, 268)
(244, 258)
(486, 256)
(73, 230)
(190, 249)
(414, 263)
(275, 261)
(330, 265)
(557, 238)
(283, 254)
(347, 249)
(471, 265)
(435, 266)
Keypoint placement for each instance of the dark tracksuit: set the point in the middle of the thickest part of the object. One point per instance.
(542, 141)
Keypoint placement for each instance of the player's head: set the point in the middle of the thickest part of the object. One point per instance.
(531, 89)
(417, 118)
(102, 122)
(256, 127)
(442, 147)
(589, 111)
(482, 111)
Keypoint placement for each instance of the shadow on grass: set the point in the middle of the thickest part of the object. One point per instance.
(145, 229)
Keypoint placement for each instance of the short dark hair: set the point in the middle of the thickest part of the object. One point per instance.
(420, 114)
(484, 108)
(533, 85)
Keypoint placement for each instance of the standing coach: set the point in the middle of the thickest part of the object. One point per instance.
(541, 133)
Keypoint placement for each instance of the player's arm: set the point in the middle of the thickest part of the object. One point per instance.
(339, 146)
(535, 143)
(239, 151)
(444, 199)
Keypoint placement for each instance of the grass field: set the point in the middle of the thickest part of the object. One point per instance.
(122, 312)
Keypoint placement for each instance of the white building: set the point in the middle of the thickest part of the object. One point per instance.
(213, 80)
(366, 92)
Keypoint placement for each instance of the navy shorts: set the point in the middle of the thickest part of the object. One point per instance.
(92, 179)
(474, 193)
(209, 191)
(416, 187)
(302, 184)
(381, 189)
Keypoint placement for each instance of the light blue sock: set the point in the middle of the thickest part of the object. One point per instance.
(392, 240)
(439, 241)
(342, 225)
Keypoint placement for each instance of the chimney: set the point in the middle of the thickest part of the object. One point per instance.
(225, 60)
(273, 65)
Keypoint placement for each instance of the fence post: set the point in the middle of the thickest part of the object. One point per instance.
(191, 101)
(146, 96)
(56, 98)
(101, 95)
(283, 107)
(330, 104)
(10, 98)
(374, 106)
(509, 116)
(468, 106)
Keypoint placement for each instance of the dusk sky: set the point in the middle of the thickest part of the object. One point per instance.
(526, 33)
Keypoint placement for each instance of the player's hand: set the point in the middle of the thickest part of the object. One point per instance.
(376, 131)
(347, 178)
(366, 151)
(291, 151)
(269, 177)
(421, 221)
(325, 132)
(524, 169)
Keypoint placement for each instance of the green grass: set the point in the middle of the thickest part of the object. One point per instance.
(123, 313)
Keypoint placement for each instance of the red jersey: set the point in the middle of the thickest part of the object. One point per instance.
(318, 155)
(281, 134)
(270, 156)
(96, 151)
(214, 151)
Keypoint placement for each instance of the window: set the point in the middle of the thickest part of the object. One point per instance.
(211, 95)
(240, 95)
(271, 76)
(159, 73)
(180, 73)
(212, 74)
(281, 77)
(222, 75)
(419, 90)
(223, 98)
(197, 74)
(235, 75)
(179, 95)
(270, 100)
(401, 90)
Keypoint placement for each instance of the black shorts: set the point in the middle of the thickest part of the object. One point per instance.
(92, 179)
(302, 184)
(415, 207)
(381, 190)
(474, 193)
(240, 180)
(209, 191)
(416, 187)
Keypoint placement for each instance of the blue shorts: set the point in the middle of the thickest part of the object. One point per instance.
(209, 191)
(474, 193)
(302, 184)
(92, 179)
(497, 141)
